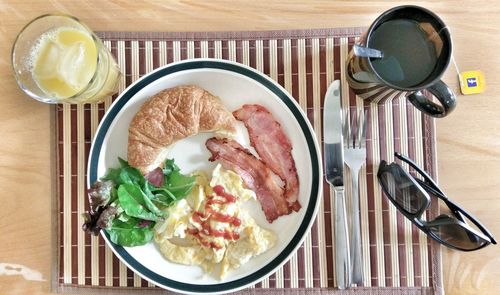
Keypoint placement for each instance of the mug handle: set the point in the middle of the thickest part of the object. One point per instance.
(442, 92)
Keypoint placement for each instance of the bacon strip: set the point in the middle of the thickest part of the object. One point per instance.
(273, 147)
(255, 174)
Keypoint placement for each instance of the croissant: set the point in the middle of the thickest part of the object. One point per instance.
(171, 115)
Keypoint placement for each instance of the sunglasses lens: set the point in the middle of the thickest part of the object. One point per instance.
(456, 229)
(458, 236)
(402, 190)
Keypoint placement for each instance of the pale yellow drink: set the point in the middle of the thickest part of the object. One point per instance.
(58, 59)
(65, 60)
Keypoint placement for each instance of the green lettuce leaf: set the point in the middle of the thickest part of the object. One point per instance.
(132, 201)
(130, 233)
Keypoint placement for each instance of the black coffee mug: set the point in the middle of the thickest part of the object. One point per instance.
(416, 48)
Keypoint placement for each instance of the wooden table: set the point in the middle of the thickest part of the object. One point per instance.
(468, 140)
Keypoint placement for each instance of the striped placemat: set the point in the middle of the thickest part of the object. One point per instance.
(398, 258)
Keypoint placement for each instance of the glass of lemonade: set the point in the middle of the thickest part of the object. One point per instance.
(57, 59)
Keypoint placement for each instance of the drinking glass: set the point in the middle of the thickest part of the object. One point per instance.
(58, 59)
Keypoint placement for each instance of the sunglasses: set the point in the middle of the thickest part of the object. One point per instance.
(455, 228)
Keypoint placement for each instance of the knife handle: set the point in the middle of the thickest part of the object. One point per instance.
(342, 256)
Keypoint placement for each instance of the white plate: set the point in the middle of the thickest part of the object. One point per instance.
(236, 85)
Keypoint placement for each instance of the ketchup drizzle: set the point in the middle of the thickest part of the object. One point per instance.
(210, 214)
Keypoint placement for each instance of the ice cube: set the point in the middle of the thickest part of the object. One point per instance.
(47, 61)
(71, 66)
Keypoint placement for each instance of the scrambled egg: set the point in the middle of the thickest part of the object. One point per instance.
(209, 229)
(232, 182)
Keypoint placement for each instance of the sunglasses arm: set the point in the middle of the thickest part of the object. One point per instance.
(422, 172)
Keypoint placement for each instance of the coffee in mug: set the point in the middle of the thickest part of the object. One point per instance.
(416, 49)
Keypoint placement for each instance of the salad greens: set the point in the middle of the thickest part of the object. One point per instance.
(127, 204)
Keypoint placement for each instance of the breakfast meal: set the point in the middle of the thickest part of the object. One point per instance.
(194, 219)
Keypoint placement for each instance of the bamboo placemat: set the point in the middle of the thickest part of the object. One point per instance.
(399, 259)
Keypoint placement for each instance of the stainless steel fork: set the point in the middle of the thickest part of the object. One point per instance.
(354, 158)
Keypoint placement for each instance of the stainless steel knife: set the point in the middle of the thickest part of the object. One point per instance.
(334, 170)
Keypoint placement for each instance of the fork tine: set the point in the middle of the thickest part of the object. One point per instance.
(354, 130)
(359, 128)
(345, 128)
(363, 133)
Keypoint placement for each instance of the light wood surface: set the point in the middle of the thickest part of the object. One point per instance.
(468, 140)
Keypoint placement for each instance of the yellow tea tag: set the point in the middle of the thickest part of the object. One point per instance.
(472, 82)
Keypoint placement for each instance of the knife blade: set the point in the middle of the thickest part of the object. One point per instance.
(334, 171)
